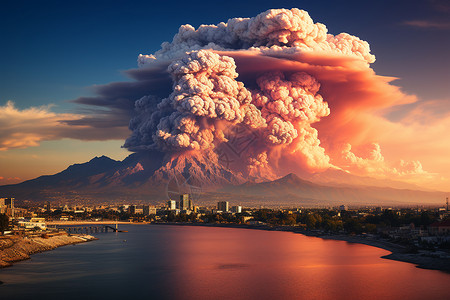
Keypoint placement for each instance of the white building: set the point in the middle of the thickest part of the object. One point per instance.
(236, 209)
(172, 204)
(32, 223)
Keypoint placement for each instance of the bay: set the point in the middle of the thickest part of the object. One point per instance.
(194, 262)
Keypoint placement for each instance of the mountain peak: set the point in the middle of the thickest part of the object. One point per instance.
(198, 166)
(101, 158)
(290, 178)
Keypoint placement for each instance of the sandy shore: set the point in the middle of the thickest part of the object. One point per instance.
(87, 222)
(17, 248)
(424, 259)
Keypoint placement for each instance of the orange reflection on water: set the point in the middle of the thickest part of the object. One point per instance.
(228, 263)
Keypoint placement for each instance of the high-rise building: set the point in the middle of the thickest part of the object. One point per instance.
(236, 209)
(7, 206)
(2, 206)
(222, 206)
(172, 204)
(185, 202)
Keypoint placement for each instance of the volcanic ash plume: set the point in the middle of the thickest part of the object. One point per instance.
(269, 75)
(288, 105)
(205, 94)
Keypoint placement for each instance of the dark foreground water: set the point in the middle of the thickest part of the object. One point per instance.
(185, 262)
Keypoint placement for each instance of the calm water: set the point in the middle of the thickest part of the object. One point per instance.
(175, 262)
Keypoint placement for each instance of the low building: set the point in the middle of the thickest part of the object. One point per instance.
(236, 209)
(246, 218)
(257, 223)
(65, 218)
(32, 223)
(134, 209)
(440, 228)
(343, 207)
(148, 210)
(19, 213)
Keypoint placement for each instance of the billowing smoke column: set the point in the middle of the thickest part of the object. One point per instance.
(275, 28)
(288, 104)
(205, 93)
(278, 102)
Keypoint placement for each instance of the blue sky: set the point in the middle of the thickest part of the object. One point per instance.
(54, 51)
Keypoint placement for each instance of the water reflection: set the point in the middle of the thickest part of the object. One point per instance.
(176, 262)
(247, 264)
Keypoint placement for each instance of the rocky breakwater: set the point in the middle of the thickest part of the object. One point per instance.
(17, 248)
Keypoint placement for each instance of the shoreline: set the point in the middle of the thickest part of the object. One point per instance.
(60, 223)
(424, 259)
(17, 248)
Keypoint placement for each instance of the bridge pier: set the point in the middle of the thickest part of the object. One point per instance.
(88, 229)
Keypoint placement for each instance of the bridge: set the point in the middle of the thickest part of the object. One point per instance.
(90, 228)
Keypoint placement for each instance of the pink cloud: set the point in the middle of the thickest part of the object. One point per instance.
(427, 24)
(29, 127)
(9, 180)
(359, 100)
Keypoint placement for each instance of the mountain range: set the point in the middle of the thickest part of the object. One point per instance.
(151, 177)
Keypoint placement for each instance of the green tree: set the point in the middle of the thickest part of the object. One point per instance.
(311, 221)
(371, 228)
(332, 225)
(353, 226)
(426, 218)
(4, 222)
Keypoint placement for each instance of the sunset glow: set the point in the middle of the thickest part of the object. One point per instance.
(315, 100)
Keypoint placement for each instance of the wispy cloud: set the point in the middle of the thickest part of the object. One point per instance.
(441, 5)
(427, 24)
(9, 180)
(28, 127)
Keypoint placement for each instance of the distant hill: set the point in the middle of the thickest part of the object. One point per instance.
(292, 189)
(152, 177)
(341, 178)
